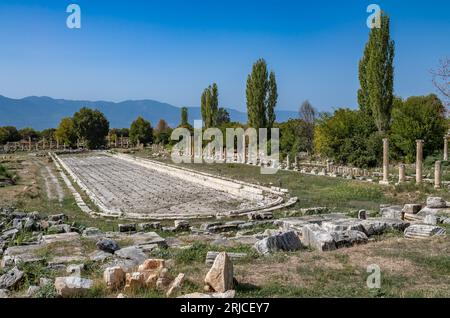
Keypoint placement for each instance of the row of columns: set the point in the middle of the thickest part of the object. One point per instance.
(419, 164)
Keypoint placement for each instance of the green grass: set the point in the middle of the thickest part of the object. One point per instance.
(197, 253)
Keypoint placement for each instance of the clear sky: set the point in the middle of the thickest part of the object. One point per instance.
(169, 50)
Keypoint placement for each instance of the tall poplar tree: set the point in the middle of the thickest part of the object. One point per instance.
(376, 75)
(210, 105)
(261, 96)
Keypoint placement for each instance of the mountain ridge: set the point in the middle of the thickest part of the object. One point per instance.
(41, 112)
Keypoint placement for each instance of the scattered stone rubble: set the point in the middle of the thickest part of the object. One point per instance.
(129, 268)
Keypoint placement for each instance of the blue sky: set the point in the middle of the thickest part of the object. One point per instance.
(170, 50)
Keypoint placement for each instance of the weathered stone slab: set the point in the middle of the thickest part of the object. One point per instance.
(211, 257)
(72, 286)
(349, 238)
(419, 231)
(107, 245)
(133, 253)
(436, 203)
(287, 241)
(141, 238)
(318, 238)
(11, 278)
(342, 225)
(21, 254)
(391, 212)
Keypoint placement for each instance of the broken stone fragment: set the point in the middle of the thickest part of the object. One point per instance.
(211, 257)
(318, 238)
(127, 228)
(107, 245)
(175, 285)
(72, 286)
(260, 216)
(59, 228)
(436, 203)
(220, 276)
(92, 231)
(114, 277)
(412, 208)
(57, 217)
(134, 281)
(11, 278)
(392, 212)
(32, 291)
(181, 225)
(287, 241)
(75, 269)
(349, 238)
(423, 231)
(362, 214)
(149, 226)
(133, 253)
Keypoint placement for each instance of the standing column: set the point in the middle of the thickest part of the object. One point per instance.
(419, 158)
(437, 175)
(445, 148)
(385, 161)
(401, 173)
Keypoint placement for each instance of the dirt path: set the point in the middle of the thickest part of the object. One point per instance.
(52, 186)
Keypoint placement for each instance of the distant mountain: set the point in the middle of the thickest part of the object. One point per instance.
(45, 112)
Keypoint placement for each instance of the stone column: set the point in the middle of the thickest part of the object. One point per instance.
(419, 158)
(288, 164)
(401, 173)
(385, 161)
(328, 165)
(445, 148)
(437, 175)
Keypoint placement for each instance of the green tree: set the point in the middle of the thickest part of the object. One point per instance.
(9, 134)
(272, 97)
(376, 76)
(307, 114)
(91, 126)
(418, 117)
(48, 133)
(223, 116)
(141, 131)
(348, 137)
(293, 138)
(162, 132)
(65, 134)
(184, 117)
(26, 133)
(261, 94)
(210, 105)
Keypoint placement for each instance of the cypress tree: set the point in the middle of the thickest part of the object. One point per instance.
(184, 116)
(271, 100)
